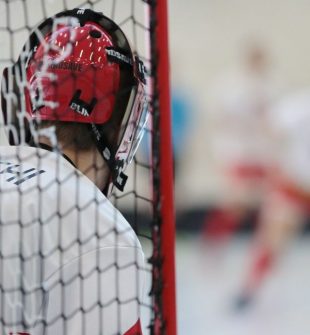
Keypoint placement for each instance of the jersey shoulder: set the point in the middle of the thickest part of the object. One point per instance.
(49, 189)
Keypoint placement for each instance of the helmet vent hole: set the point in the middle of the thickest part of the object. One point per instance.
(95, 33)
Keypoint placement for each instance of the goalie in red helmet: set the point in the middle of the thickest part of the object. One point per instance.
(79, 68)
(76, 97)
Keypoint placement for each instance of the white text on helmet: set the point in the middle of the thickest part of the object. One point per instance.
(119, 56)
(81, 11)
(79, 109)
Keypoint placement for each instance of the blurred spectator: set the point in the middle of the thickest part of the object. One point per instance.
(241, 139)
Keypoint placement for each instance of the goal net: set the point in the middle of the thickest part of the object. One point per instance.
(69, 261)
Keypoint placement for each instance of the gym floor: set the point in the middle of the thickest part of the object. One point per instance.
(208, 281)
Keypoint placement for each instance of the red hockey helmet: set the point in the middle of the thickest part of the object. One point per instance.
(78, 67)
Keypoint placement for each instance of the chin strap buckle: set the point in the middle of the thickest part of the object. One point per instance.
(119, 178)
(120, 181)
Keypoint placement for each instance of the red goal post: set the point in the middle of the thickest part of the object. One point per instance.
(162, 115)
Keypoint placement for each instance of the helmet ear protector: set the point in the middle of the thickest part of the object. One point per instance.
(78, 67)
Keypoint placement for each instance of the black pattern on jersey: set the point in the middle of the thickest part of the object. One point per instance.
(16, 174)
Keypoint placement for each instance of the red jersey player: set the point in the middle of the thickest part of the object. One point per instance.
(287, 203)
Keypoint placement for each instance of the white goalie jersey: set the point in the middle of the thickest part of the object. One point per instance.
(69, 261)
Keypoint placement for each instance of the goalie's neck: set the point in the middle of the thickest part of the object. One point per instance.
(89, 162)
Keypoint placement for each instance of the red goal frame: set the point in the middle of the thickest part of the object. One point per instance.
(161, 88)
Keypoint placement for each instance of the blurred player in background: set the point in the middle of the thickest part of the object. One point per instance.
(241, 142)
(70, 262)
(286, 205)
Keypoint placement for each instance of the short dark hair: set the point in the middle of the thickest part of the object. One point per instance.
(71, 134)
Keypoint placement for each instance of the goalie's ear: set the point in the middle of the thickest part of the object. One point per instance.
(16, 126)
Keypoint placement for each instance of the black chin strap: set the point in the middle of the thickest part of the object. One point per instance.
(118, 178)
